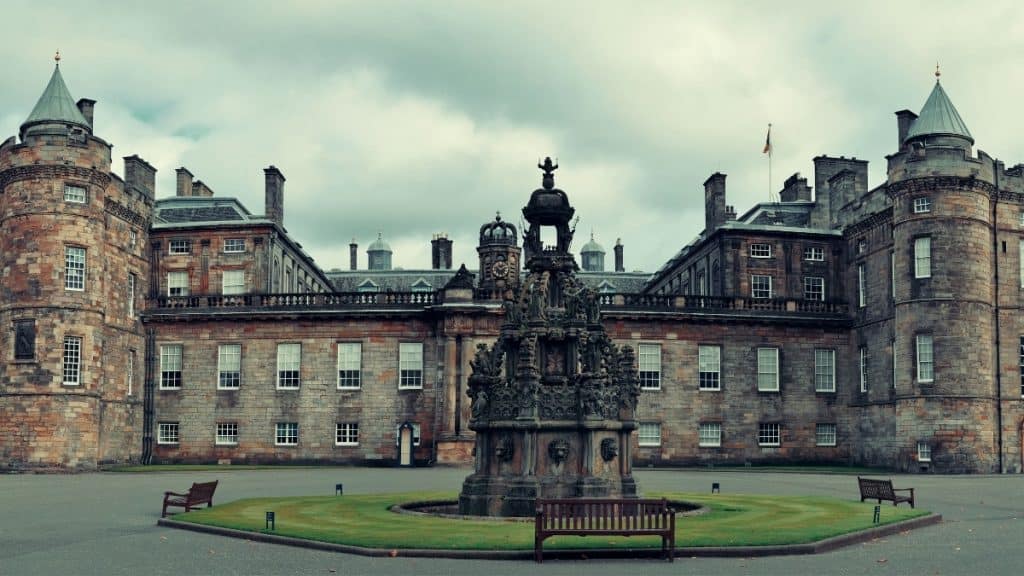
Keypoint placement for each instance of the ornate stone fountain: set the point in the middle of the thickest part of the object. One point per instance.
(553, 399)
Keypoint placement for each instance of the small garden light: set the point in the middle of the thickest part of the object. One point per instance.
(339, 489)
(715, 488)
(270, 521)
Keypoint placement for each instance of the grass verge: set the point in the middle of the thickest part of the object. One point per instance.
(206, 467)
(364, 520)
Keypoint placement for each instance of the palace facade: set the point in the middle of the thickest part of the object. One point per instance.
(842, 324)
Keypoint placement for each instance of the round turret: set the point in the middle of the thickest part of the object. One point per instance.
(498, 232)
(379, 254)
(592, 255)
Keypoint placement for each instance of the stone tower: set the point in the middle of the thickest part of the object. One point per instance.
(943, 202)
(592, 255)
(73, 239)
(378, 255)
(553, 399)
(499, 257)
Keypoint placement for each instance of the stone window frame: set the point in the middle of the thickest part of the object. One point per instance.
(825, 434)
(1021, 365)
(179, 246)
(862, 292)
(709, 435)
(350, 365)
(769, 434)
(237, 285)
(761, 250)
(31, 323)
(649, 365)
(130, 296)
(410, 365)
(924, 451)
(708, 379)
(174, 278)
(814, 253)
(71, 193)
(168, 433)
(228, 379)
(226, 434)
(758, 289)
(130, 372)
(923, 257)
(652, 437)
(825, 370)
(286, 434)
(1021, 260)
(71, 360)
(289, 366)
(346, 434)
(234, 246)
(172, 358)
(75, 264)
(863, 364)
(814, 288)
(924, 357)
(921, 205)
(763, 372)
(862, 246)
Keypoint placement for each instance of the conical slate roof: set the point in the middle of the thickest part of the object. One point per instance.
(56, 105)
(939, 117)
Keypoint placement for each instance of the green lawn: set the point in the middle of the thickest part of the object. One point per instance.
(734, 520)
(205, 467)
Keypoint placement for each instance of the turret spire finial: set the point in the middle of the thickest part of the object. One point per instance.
(937, 73)
(56, 57)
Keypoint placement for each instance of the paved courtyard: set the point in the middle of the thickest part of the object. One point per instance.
(105, 523)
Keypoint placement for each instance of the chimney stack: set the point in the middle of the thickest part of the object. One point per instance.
(619, 265)
(353, 255)
(201, 190)
(140, 175)
(904, 118)
(441, 252)
(714, 202)
(184, 182)
(86, 106)
(274, 195)
(795, 189)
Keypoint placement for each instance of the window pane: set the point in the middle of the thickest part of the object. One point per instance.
(768, 369)
(167, 433)
(227, 433)
(74, 194)
(349, 364)
(177, 283)
(347, 434)
(410, 365)
(74, 268)
(233, 282)
(288, 365)
(768, 434)
(709, 367)
(649, 434)
(72, 361)
(825, 434)
(824, 371)
(234, 245)
(229, 366)
(814, 288)
(170, 366)
(923, 257)
(650, 366)
(286, 433)
(925, 361)
(710, 434)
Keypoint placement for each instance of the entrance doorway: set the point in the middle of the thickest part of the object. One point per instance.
(405, 444)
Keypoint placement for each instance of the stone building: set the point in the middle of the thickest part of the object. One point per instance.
(842, 323)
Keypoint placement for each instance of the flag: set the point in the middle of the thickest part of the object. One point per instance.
(768, 142)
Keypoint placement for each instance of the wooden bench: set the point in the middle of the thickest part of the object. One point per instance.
(199, 493)
(883, 490)
(605, 517)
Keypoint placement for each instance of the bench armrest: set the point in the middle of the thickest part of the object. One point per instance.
(911, 490)
(168, 493)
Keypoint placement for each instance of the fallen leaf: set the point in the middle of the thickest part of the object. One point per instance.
(957, 548)
(882, 560)
(393, 553)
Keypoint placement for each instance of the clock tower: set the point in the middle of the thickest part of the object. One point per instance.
(499, 258)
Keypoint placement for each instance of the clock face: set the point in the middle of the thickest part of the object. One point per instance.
(499, 269)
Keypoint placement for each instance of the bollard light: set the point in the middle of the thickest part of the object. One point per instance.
(339, 489)
(715, 488)
(878, 511)
(270, 521)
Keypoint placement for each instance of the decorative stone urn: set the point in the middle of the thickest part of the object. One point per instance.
(553, 399)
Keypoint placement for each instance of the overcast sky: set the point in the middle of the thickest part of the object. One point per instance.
(414, 118)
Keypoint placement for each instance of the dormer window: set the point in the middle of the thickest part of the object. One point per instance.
(179, 247)
(922, 204)
(760, 250)
(421, 285)
(368, 286)
(75, 194)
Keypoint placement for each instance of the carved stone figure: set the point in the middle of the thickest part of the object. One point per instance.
(558, 451)
(479, 407)
(505, 449)
(609, 449)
